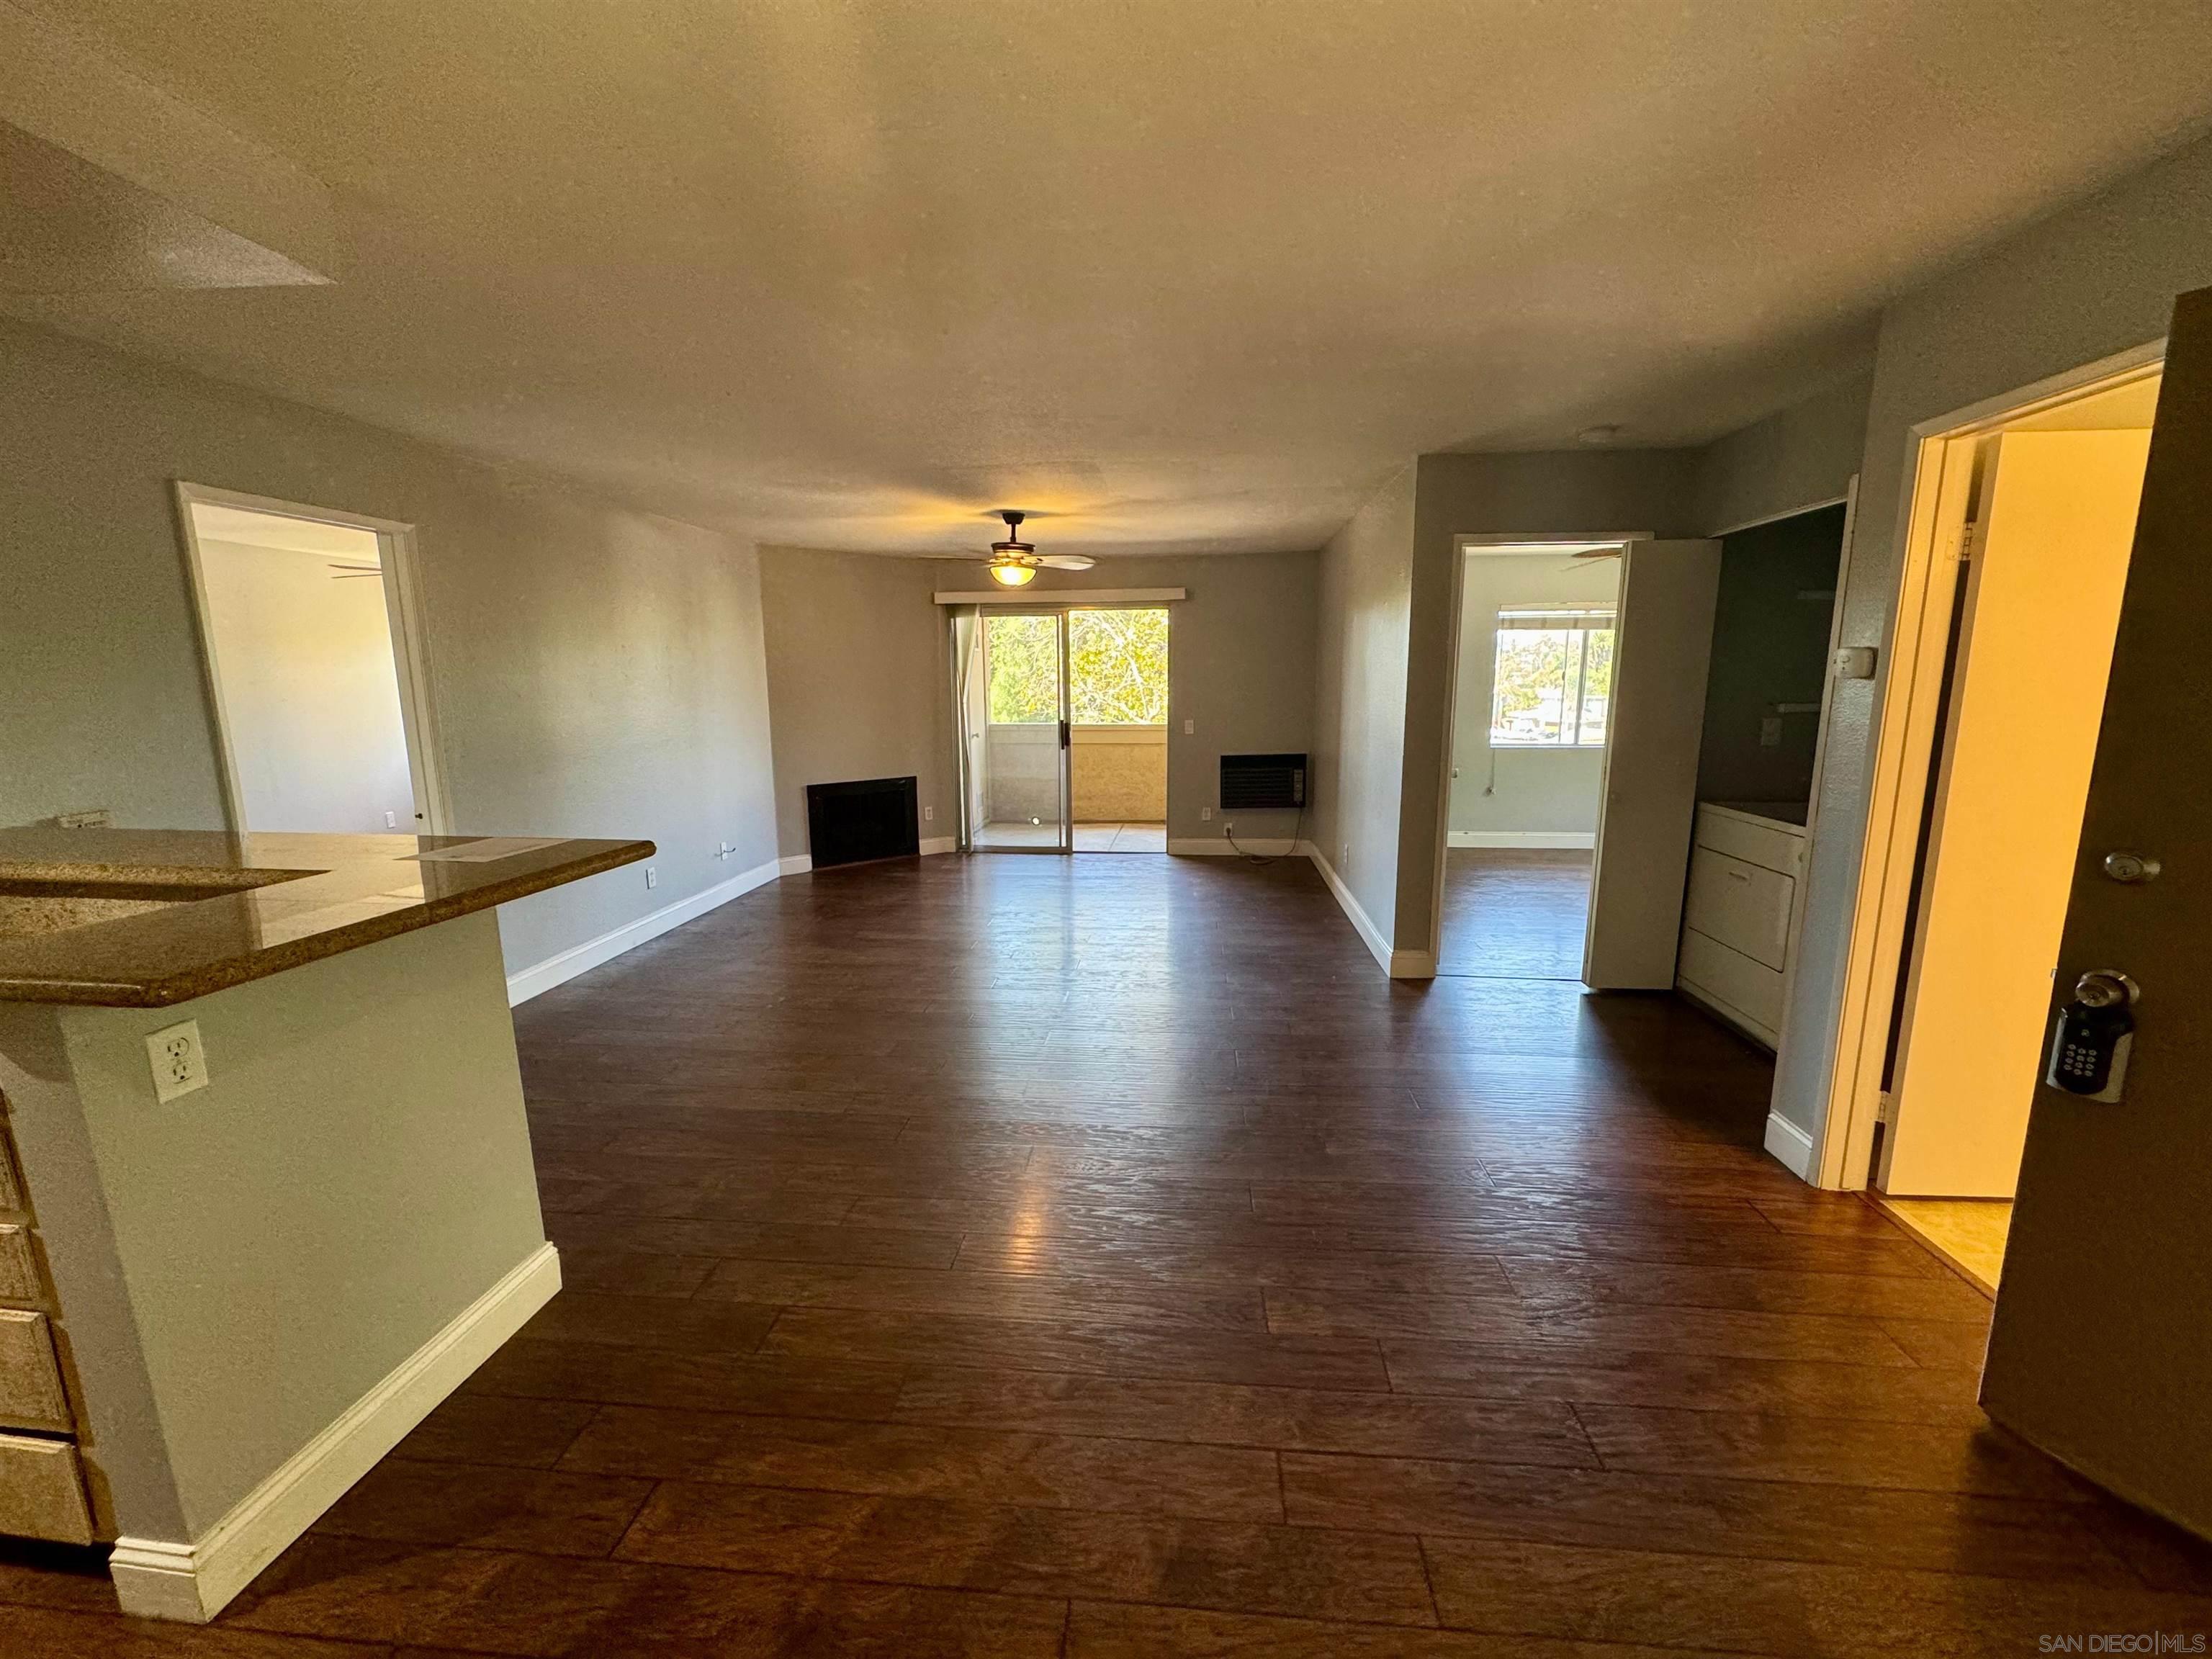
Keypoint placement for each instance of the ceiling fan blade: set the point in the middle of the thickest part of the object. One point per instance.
(1599, 553)
(1066, 561)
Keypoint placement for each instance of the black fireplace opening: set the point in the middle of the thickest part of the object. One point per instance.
(869, 818)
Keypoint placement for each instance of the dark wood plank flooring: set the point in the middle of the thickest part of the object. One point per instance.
(1096, 1257)
(1514, 913)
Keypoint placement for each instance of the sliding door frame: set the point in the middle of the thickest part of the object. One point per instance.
(1062, 603)
(1065, 793)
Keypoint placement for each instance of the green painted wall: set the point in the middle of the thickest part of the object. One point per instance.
(1770, 646)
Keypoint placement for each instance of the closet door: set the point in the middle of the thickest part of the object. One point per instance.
(1648, 801)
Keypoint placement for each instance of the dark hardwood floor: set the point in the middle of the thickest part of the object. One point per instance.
(1096, 1257)
(1514, 913)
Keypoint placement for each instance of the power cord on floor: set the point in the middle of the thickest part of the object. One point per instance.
(1262, 860)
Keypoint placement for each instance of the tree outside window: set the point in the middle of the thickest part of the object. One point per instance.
(1553, 678)
(1117, 668)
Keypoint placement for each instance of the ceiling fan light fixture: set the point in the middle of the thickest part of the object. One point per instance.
(1015, 562)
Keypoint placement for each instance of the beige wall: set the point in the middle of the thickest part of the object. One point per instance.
(1546, 494)
(1240, 668)
(860, 682)
(2096, 280)
(1360, 698)
(1119, 774)
(1797, 457)
(597, 671)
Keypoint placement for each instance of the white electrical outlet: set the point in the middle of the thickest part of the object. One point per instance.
(652, 876)
(1189, 728)
(1228, 829)
(929, 815)
(392, 820)
(179, 1063)
(1206, 812)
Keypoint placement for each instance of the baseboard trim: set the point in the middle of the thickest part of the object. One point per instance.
(1363, 924)
(1214, 847)
(158, 1578)
(800, 864)
(1791, 1146)
(541, 977)
(1564, 838)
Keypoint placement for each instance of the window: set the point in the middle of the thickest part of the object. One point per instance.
(1022, 669)
(1118, 665)
(1553, 677)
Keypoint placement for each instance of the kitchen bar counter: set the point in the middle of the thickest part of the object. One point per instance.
(146, 918)
(266, 1192)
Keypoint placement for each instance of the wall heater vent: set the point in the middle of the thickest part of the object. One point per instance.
(1255, 781)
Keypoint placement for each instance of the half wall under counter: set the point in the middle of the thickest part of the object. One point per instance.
(218, 1309)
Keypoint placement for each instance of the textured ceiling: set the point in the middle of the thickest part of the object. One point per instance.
(1195, 274)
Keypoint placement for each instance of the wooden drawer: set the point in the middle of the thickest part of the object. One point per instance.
(1749, 990)
(31, 1392)
(42, 1491)
(1745, 906)
(19, 1265)
(1754, 841)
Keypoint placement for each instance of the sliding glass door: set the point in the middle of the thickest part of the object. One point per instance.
(1014, 705)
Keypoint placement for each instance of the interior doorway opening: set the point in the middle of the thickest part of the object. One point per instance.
(1537, 629)
(2023, 526)
(312, 666)
(1066, 728)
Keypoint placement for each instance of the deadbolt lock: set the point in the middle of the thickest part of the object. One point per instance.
(2131, 867)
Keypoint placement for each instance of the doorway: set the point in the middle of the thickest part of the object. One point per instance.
(312, 668)
(1537, 629)
(2024, 526)
(1065, 744)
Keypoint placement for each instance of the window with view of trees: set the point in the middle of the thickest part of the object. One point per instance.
(1552, 679)
(1117, 668)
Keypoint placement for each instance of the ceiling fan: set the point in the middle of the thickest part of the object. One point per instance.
(1015, 562)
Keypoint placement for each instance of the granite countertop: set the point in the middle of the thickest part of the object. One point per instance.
(144, 918)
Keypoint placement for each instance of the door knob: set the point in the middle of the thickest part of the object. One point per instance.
(2131, 867)
(2106, 987)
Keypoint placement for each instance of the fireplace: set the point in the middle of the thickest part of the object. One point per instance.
(870, 819)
